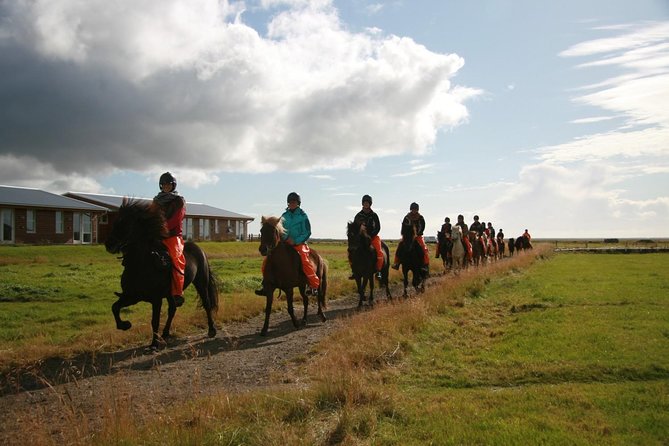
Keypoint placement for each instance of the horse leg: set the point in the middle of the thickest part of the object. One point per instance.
(116, 311)
(291, 309)
(305, 302)
(156, 306)
(171, 311)
(361, 290)
(405, 273)
(268, 310)
(371, 288)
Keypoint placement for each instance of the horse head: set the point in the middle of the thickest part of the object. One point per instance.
(456, 233)
(357, 236)
(138, 221)
(271, 230)
(408, 232)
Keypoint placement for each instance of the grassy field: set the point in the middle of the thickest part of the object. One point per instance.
(55, 300)
(539, 349)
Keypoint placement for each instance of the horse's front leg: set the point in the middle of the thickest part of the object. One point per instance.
(361, 290)
(116, 311)
(171, 311)
(405, 273)
(269, 294)
(156, 306)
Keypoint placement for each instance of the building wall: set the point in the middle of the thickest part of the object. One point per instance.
(45, 227)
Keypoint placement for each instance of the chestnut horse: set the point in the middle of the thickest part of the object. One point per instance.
(282, 270)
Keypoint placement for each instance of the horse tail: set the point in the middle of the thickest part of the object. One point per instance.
(323, 267)
(212, 291)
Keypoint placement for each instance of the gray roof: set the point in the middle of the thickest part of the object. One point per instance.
(192, 209)
(36, 198)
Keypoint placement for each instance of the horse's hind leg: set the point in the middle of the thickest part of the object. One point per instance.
(171, 311)
(305, 303)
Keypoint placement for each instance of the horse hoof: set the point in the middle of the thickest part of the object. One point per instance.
(323, 318)
(263, 333)
(124, 325)
(212, 333)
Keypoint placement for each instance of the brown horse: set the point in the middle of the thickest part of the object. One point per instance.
(478, 248)
(283, 270)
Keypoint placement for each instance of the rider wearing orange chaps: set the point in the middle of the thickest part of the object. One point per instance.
(376, 243)
(175, 246)
(308, 268)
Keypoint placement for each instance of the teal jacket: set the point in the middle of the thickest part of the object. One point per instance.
(297, 226)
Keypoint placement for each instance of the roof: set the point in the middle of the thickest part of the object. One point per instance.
(192, 209)
(37, 198)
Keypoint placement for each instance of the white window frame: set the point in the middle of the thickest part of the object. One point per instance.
(60, 222)
(31, 221)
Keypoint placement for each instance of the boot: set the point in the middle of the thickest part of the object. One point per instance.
(178, 301)
(260, 292)
(396, 266)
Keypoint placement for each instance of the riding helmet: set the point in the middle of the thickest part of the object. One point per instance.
(167, 178)
(447, 220)
(367, 198)
(413, 206)
(294, 196)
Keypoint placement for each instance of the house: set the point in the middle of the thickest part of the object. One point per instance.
(202, 222)
(36, 216)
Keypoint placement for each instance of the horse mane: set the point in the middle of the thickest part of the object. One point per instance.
(277, 222)
(148, 212)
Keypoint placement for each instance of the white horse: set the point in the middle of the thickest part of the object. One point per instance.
(458, 249)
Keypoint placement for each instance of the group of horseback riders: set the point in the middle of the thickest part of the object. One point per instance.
(298, 230)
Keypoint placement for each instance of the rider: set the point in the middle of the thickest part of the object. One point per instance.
(297, 231)
(463, 225)
(416, 220)
(370, 220)
(444, 234)
(477, 226)
(173, 206)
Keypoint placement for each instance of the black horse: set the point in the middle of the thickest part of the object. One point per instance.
(411, 258)
(147, 268)
(362, 256)
(445, 249)
(283, 270)
(523, 243)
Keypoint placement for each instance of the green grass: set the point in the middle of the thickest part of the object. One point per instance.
(57, 299)
(574, 350)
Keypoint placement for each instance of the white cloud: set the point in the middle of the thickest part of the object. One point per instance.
(140, 85)
(580, 181)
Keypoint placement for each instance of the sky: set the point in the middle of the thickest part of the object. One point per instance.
(550, 116)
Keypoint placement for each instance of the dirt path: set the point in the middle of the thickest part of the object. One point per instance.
(237, 359)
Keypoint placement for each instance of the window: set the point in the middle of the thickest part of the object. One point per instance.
(76, 227)
(104, 219)
(60, 222)
(7, 219)
(188, 229)
(30, 221)
(205, 229)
